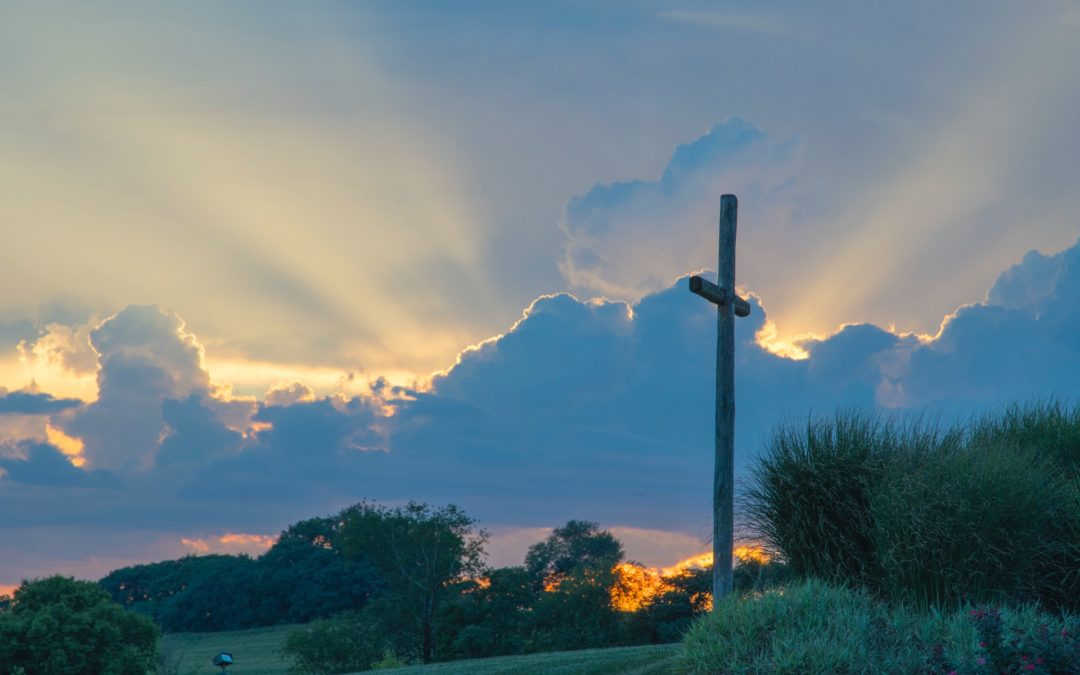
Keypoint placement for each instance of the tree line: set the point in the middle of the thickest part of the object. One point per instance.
(373, 585)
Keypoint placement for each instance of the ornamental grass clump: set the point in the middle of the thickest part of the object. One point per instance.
(989, 523)
(928, 514)
(810, 495)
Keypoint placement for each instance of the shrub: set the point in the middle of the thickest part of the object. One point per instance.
(809, 627)
(342, 644)
(988, 640)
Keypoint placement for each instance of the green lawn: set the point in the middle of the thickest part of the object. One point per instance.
(648, 660)
(257, 651)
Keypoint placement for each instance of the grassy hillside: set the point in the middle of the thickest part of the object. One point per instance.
(257, 651)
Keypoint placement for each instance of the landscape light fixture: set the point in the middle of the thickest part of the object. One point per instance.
(223, 660)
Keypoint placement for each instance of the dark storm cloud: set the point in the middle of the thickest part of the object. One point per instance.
(195, 433)
(43, 464)
(26, 403)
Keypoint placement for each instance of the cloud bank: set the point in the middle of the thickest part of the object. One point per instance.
(582, 409)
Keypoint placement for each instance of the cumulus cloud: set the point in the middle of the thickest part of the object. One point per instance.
(1020, 343)
(626, 239)
(145, 358)
(287, 393)
(66, 346)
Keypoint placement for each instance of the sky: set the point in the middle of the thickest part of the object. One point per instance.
(262, 260)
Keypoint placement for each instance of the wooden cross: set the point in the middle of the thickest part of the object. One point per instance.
(728, 306)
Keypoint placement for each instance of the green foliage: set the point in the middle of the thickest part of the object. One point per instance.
(306, 575)
(218, 595)
(926, 514)
(303, 576)
(389, 660)
(751, 575)
(669, 616)
(813, 627)
(987, 523)
(575, 566)
(577, 548)
(421, 552)
(806, 628)
(59, 626)
(343, 644)
(490, 619)
(1050, 429)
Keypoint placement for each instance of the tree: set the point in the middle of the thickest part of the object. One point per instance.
(491, 617)
(420, 551)
(305, 575)
(59, 626)
(575, 566)
(580, 547)
(194, 593)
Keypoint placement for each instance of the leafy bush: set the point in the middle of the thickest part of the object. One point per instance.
(809, 627)
(1032, 642)
(342, 644)
(816, 628)
(59, 626)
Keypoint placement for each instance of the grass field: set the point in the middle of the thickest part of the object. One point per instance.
(647, 660)
(258, 651)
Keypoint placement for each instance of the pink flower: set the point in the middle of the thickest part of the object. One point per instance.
(1030, 666)
(981, 661)
(983, 645)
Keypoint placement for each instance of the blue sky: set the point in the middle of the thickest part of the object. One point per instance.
(262, 260)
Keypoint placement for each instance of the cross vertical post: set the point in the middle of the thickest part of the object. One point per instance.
(728, 306)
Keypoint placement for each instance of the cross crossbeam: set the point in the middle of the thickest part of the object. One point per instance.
(717, 295)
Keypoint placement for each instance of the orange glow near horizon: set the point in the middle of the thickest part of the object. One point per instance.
(637, 586)
(230, 543)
